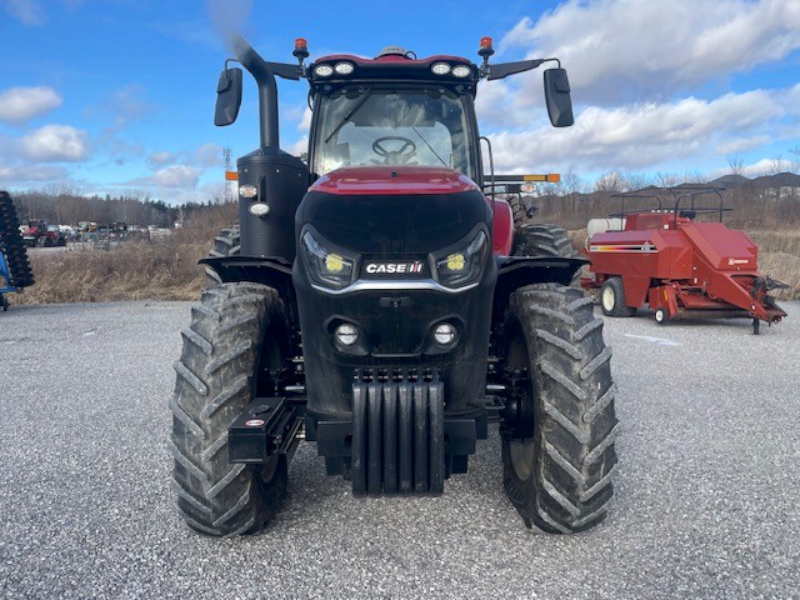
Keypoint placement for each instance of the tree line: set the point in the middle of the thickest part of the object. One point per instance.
(69, 208)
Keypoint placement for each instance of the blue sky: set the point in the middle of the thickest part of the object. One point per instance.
(116, 96)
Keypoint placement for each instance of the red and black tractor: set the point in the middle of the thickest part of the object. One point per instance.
(368, 302)
(681, 266)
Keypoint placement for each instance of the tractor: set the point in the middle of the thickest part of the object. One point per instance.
(370, 301)
(39, 233)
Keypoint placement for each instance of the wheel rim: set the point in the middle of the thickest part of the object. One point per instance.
(608, 299)
(661, 315)
(521, 452)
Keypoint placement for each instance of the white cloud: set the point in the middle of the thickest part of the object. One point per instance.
(643, 135)
(22, 174)
(299, 147)
(207, 155)
(55, 143)
(305, 121)
(174, 176)
(742, 144)
(161, 159)
(28, 12)
(20, 104)
(639, 49)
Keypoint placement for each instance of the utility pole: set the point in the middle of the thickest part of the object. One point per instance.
(231, 176)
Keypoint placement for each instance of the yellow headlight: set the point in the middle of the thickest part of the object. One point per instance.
(334, 263)
(455, 262)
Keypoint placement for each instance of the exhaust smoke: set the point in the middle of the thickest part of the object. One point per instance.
(229, 17)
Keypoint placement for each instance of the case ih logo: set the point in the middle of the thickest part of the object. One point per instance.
(394, 268)
(738, 261)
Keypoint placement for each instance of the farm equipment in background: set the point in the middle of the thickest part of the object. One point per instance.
(367, 302)
(39, 233)
(15, 272)
(679, 266)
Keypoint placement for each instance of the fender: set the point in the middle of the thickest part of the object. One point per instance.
(275, 272)
(514, 272)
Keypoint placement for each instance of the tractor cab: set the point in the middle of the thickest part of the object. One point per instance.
(394, 110)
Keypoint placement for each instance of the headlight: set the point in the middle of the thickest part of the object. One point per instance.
(462, 71)
(323, 70)
(344, 68)
(326, 267)
(457, 268)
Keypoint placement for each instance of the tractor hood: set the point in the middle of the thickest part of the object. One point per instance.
(394, 210)
(393, 181)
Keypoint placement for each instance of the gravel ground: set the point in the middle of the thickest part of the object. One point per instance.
(706, 495)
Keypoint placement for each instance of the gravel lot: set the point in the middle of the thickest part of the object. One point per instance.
(706, 494)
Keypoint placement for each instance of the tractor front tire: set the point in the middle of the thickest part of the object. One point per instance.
(559, 478)
(221, 350)
(227, 243)
(612, 299)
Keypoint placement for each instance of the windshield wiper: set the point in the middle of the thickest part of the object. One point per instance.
(350, 114)
(429, 146)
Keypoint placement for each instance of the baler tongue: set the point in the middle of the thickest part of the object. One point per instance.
(762, 285)
(768, 283)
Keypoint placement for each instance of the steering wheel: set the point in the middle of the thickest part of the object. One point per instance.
(394, 157)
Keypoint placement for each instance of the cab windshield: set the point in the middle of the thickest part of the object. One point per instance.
(371, 126)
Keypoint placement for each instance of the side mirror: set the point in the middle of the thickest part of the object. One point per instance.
(556, 92)
(229, 97)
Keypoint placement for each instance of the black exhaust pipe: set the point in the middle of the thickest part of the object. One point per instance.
(280, 179)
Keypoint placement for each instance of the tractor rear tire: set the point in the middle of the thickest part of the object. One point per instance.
(221, 350)
(612, 299)
(560, 478)
(542, 239)
(545, 239)
(227, 243)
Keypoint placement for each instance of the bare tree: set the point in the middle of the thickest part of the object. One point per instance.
(736, 164)
(610, 182)
(666, 180)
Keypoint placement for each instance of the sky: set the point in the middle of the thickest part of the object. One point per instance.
(117, 96)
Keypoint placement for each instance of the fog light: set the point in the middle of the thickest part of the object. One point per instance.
(444, 334)
(346, 334)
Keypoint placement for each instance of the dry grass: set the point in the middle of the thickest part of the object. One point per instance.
(161, 269)
(158, 270)
(779, 257)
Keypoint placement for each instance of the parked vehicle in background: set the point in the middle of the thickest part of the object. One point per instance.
(39, 233)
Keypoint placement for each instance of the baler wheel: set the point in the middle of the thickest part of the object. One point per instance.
(221, 349)
(662, 317)
(560, 479)
(612, 299)
(227, 243)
